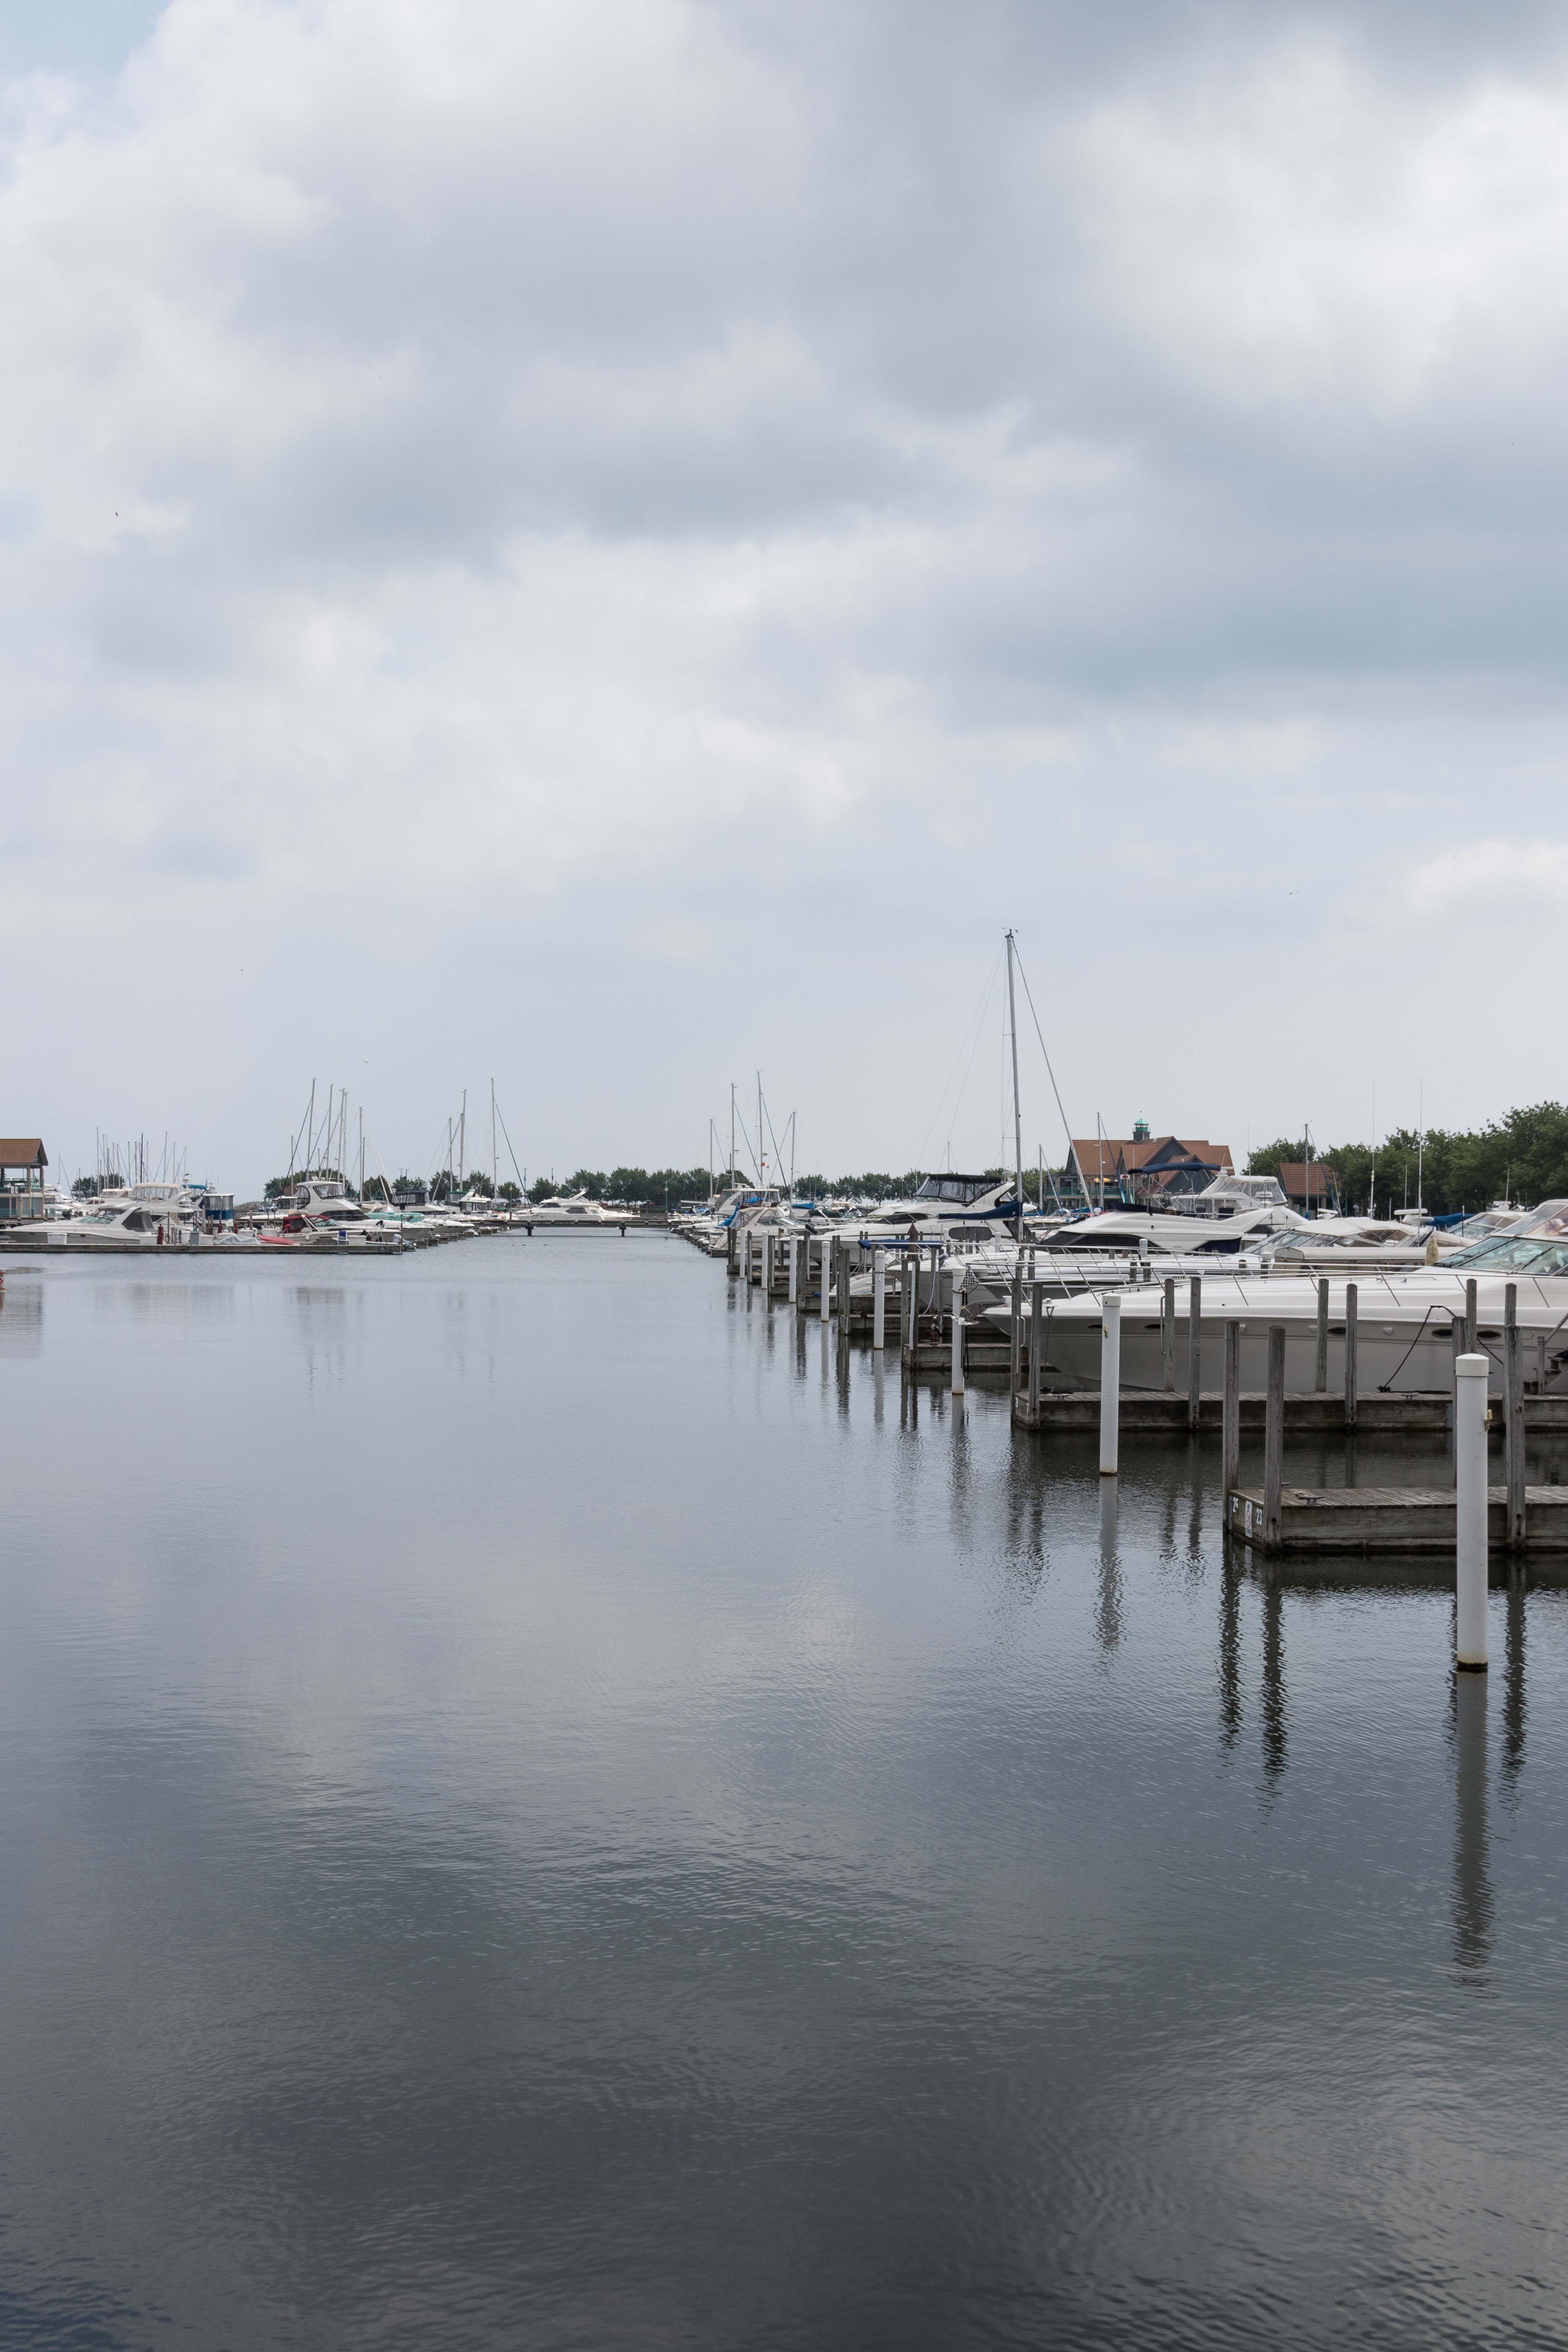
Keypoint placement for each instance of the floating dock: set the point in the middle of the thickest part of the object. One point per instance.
(1310, 1413)
(1389, 1519)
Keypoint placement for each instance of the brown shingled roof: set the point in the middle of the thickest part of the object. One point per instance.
(1293, 1177)
(23, 1151)
(1096, 1159)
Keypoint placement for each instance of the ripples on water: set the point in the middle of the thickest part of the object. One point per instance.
(540, 1812)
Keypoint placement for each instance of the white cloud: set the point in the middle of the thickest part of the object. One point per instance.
(1502, 874)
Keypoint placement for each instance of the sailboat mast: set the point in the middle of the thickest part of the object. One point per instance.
(1018, 1115)
(495, 1164)
(732, 1130)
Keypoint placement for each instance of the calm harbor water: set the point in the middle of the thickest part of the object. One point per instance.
(539, 1812)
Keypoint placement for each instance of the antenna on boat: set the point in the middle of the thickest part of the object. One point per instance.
(1018, 1116)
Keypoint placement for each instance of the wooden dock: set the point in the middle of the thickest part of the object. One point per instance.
(1307, 1413)
(936, 1354)
(1388, 1519)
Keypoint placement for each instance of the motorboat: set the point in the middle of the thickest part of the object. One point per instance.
(114, 1224)
(955, 1211)
(1235, 1212)
(576, 1212)
(1347, 1245)
(320, 1212)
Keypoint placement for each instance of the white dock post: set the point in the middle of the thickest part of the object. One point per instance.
(1470, 1316)
(958, 1330)
(1168, 1335)
(878, 1300)
(768, 1266)
(796, 1246)
(1350, 1368)
(1143, 1274)
(826, 1274)
(1470, 1512)
(1109, 1380)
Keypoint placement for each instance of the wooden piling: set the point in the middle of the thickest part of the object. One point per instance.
(1274, 1436)
(1195, 1349)
(1513, 1430)
(1036, 1341)
(1230, 1422)
(1016, 1325)
(1168, 1335)
(1351, 1343)
(1320, 1372)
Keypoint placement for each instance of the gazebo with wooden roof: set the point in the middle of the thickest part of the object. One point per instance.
(23, 1161)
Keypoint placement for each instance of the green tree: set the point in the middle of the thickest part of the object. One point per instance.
(1524, 1157)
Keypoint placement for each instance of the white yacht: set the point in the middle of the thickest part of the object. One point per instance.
(1235, 1212)
(954, 1211)
(1404, 1320)
(574, 1212)
(320, 1211)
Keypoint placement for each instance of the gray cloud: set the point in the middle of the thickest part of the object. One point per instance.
(477, 476)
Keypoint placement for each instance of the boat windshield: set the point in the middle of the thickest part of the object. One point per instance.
(1513, 1254)
(961, 1189)
(1537, 1245)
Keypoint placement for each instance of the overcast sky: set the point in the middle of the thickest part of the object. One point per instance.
(610, 545)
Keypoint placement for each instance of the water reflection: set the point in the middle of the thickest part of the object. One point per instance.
(1472, 1881)
(1274, 1707)
(178, 1303)
(1513, 1689)
(1231, 1709)
(1108, 1604)
(21, 1318)
(457, 1877)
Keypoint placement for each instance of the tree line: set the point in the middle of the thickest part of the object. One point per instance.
(1522, 1157)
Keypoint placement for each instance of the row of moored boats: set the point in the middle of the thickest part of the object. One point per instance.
(1254, 1261)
